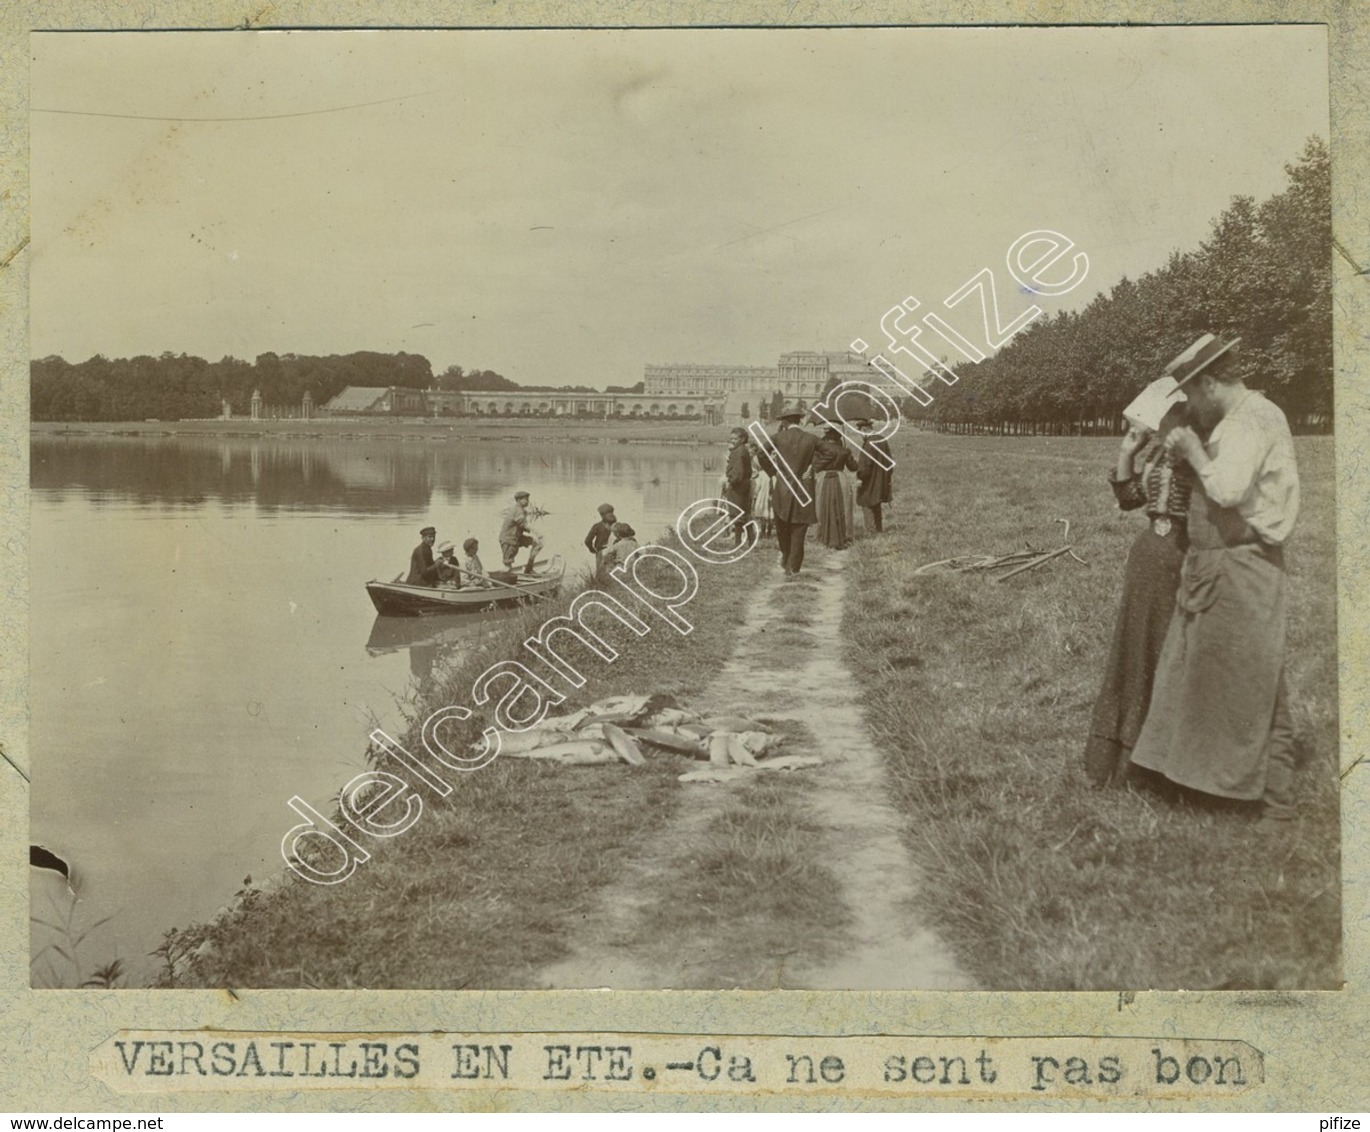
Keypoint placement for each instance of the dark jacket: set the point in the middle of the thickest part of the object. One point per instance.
(422, 571)
(599, 536)
(832, 456)
(873, 480)
(796, 448)
(739, 477)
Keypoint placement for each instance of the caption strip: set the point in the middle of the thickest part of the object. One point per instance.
(986, 1068)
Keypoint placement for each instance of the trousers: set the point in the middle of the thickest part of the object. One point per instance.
(791, 538)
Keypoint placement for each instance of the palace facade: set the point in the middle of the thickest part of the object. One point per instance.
(748, 391)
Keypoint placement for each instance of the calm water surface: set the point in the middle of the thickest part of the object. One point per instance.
(202, 646)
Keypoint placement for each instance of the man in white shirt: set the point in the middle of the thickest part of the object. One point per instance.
(1218, 720)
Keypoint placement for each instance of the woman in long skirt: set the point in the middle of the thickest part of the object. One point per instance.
(761, 498)
(830, 459)
(1150, 579)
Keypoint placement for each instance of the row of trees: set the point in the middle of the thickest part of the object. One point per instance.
(177, 386)
(1265, 273)
(180, 386)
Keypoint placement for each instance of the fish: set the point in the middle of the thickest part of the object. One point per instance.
(623, 745)
(731, 723)
(790, 762)
(737, 751)
(670, 740)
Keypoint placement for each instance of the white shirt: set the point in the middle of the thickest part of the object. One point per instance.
(1253, 468)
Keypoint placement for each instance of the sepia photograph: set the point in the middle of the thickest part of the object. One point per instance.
(822, 508)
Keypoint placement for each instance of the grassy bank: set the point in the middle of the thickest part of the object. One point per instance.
(488, 885)
(982, 693)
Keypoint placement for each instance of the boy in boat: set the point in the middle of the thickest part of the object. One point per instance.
(514, 534)
(422, 569)
(473, 573)
(448, 570)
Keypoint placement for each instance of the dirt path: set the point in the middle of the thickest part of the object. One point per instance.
(784, 668)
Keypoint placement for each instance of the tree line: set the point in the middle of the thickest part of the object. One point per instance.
(1264, 273)
(182, 387)
(179, 386)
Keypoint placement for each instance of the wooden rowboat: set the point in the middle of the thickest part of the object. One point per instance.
(395, 599)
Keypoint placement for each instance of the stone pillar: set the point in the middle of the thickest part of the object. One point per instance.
(256, 404)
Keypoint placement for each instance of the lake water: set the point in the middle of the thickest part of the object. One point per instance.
(202, 646)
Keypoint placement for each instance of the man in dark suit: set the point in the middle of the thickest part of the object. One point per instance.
(873, 478)
(793, 518)
(422, 570)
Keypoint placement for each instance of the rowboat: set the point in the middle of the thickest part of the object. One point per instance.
(395, 599)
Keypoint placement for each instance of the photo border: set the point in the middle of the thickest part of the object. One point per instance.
(1304, 1035)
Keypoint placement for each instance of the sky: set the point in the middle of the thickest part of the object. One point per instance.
(565, 207)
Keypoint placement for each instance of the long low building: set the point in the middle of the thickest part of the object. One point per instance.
(358, 401)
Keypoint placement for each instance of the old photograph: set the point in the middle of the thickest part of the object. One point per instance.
(683, 508)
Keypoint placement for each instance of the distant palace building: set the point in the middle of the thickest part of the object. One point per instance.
(748, 391)
(713, 394)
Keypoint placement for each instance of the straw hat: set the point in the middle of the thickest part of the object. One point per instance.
(1203, 353)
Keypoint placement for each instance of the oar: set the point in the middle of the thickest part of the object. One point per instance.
(493, 581)
(496, 581)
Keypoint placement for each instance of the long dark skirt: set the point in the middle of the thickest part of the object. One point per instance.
(834, 529)
(1150, 580)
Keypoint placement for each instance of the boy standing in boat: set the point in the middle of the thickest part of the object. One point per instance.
(514, 533)
(422, 570)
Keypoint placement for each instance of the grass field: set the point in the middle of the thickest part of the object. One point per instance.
(982, 692)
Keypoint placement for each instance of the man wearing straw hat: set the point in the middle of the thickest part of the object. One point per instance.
(792, 517)
(1219, 720)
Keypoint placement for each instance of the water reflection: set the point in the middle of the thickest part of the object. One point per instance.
(376, 475)
(431, 640)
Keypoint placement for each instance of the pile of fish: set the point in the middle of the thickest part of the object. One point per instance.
(628, 728)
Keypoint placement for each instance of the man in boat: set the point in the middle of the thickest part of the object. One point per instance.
(422, 569)
(514, 534)
(473, 573)
(792, 518)
(448, 570)
(737, 478)
(874, 479)
(601, 532)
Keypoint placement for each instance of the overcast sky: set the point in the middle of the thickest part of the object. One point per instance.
(564, 207)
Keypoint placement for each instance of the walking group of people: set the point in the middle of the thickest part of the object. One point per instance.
(820, 463)
(1194, 686)
(444, 570)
